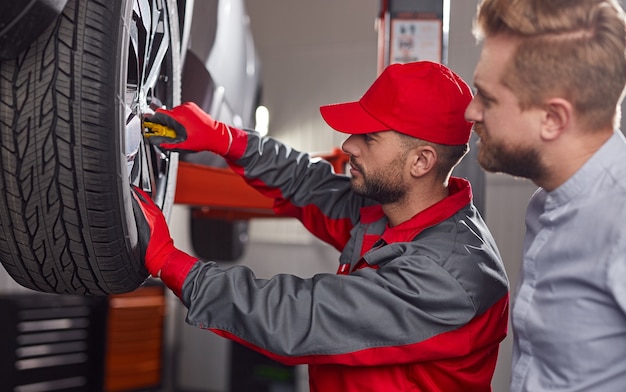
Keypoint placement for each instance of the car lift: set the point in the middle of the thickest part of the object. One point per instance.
(223, 194)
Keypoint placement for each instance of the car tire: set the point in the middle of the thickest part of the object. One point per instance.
(72, 145)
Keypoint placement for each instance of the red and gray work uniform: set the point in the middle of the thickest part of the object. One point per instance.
(421, 306)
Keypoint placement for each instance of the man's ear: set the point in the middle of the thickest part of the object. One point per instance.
(423, 160)
(558, 114)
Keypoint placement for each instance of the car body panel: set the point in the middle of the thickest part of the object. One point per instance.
(221, 39)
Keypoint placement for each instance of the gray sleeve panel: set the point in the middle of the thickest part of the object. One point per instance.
(405, 302)
(300, 179)
(416, 293)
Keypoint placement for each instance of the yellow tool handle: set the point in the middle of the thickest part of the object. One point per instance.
(154, 129)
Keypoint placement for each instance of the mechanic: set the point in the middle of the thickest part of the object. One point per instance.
(550, 81)
(420, 300)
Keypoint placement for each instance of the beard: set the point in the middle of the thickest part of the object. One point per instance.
(518, 161)
(385, 186)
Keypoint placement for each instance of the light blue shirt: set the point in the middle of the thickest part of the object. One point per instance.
(569, 312)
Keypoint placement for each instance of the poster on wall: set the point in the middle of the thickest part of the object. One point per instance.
(415, 40)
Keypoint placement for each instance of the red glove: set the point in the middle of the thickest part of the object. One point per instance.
(155, 242)
(189, 128)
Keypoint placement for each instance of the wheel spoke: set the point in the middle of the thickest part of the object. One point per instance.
(150, 43)
(143, 8)
(158, 45)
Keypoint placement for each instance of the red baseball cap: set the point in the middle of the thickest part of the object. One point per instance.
(423, 99)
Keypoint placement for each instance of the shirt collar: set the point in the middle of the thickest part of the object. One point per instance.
(582, 181)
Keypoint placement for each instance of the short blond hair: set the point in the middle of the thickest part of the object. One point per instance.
(575, 49)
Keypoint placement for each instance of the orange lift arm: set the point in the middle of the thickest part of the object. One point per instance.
(223, 194)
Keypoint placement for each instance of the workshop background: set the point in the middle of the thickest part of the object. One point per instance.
(315, 53)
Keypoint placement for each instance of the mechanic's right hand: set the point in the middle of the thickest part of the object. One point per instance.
(155, 243)
(188, 128)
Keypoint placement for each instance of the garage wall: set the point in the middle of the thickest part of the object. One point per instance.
(312, 53)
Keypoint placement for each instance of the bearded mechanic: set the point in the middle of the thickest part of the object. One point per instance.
(420, 300)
